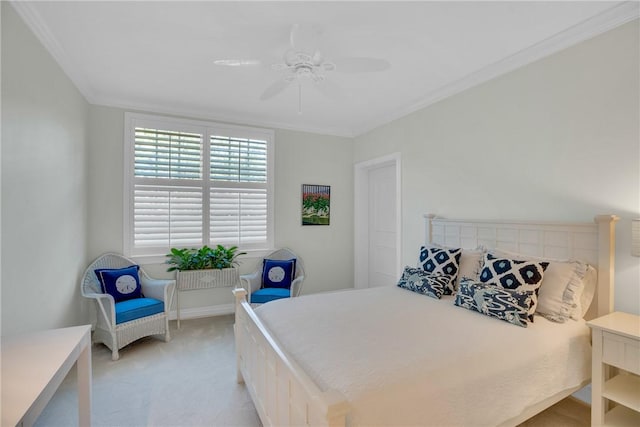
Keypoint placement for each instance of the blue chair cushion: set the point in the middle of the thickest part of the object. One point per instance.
(133, 309)
(121, 283)
(269, 294)
(278, 273)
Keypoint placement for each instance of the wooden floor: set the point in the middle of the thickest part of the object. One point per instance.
(569, 412)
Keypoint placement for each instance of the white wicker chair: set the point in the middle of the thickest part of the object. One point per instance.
(252, 282)
(115, 336)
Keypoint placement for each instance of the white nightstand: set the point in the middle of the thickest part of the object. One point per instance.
(616, 366)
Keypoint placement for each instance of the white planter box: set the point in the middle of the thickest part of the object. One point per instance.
(203, 279)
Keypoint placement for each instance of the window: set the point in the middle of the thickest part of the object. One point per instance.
(191, 183)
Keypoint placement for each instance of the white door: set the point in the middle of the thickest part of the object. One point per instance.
(377, 227)
(382, 226)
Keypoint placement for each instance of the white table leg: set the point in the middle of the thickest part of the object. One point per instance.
(84, 387)
(178, 306)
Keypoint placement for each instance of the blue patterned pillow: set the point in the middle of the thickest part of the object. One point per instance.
(442, 260)
(121, 283)
(277, 273)
(505, 304)
(513, 274)
(422, 282)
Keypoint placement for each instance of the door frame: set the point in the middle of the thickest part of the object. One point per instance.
(361, 215)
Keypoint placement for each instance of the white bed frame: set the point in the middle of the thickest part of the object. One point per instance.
(283, 393)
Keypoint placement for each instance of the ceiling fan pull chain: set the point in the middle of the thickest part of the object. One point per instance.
(299, 98)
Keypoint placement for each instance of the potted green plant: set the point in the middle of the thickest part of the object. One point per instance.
(205, 267)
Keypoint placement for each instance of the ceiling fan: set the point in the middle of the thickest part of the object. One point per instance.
(298, 65)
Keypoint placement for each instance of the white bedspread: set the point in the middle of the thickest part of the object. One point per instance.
(401, 358)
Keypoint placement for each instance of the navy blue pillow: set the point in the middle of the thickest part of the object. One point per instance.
(121, 283)
(442, 260)
(278, 273)
(505, 304)
(515, 275)
(420, 281)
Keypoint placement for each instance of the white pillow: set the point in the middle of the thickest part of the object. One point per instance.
(590, 281)
(471, 262)
(559, 296)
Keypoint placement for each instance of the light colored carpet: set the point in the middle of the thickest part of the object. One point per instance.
(191, 381)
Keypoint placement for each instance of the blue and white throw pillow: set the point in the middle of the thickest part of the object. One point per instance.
(505, 304)
(419, 281)
(442, 260)
(121, 283)
(516, 275)
(277, 273)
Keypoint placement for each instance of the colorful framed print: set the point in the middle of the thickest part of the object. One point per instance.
(316, 200)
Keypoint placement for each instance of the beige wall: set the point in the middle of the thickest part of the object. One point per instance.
(555, 140)
(303, 158)
(44, 229)
(300, 158)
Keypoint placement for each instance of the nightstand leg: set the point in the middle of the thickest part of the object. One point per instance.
(597, 381)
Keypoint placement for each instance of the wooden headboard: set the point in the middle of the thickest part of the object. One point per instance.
(590, 242)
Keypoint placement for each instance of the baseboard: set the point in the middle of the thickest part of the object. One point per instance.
(583, 395)
(194, 313)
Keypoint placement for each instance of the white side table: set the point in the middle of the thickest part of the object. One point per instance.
(34, 365)
(615, 370)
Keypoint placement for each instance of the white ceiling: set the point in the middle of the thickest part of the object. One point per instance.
(159, 56)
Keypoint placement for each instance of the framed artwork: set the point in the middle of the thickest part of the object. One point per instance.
(316, 200)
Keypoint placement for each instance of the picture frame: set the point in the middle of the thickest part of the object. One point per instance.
(316, 204)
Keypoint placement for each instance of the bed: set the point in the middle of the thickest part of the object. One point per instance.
(386, 356)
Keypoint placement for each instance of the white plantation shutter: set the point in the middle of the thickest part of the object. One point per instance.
(183, 192)
(239, 217)
(238, 171)
(166, 154)
(238, 160)
(167, 216)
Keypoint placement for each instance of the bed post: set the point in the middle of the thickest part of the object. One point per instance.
(429, 227)
(241, 295)
(606, 263)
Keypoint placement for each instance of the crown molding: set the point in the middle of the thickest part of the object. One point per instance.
(589, 28)
(37, 25)
(605, 21)
(219, 116)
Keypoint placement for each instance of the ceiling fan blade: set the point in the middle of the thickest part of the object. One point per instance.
(237, 62)
(361, 64)
(277, 87)
(293, 35)
(305, 37)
